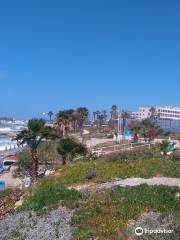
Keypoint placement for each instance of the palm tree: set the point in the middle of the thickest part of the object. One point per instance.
(74, 119)
(63, 121)
(104, 112)
(151, 128)
(50, 114)
(125, 115)
(136, 129)
(35, 133)
(100, 118)
(94, 116)
(113, 111)
(82, 116)
(144, 133)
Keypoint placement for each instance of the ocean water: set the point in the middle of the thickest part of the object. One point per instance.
(6, 142)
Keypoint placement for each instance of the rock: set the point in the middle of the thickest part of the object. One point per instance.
(18, 203)
(91, 174)
(49, 172)
(177, 196)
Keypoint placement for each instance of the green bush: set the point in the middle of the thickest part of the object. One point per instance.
(136, 154)
(69, 148)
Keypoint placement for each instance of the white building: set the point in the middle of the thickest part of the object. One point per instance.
(143, 113)
(167, 112)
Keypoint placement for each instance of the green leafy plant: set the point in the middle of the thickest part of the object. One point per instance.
(68, 148)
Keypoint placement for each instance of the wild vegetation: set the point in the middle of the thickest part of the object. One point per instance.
(103, 215)
(106, 215)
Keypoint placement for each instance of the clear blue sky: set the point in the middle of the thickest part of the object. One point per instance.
(56, 54)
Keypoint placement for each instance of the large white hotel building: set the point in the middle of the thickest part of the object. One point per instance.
(167, 112)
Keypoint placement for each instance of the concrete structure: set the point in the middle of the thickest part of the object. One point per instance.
(167, 112)
(143, 113)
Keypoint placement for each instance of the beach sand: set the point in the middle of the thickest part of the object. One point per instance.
(11, 182)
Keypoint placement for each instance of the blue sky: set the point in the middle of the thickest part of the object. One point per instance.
(56, 54)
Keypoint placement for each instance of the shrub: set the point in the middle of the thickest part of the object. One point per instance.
(69, 148)
(135, 154)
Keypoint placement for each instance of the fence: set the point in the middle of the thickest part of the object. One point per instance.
(118, 147)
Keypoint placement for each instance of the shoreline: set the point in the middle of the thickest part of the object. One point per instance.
(8, 134)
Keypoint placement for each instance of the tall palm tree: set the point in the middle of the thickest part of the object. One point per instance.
(94, 116)
(74, 119)
(98, 113)
(114, 116)
(50, 114)
(113, 111)
(100, 118)
(104, 112)
(151, 128)
(63, 121)
(82, 116)
(136, 129)
(35, 133)
(125, 115)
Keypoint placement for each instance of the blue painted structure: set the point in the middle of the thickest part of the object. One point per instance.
(2, 185)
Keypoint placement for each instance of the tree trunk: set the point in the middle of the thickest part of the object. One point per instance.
(124, 124)
(135, 137)
(94, 115)
(165, 154)
(74, 125)
(34, 164)
(64, 160)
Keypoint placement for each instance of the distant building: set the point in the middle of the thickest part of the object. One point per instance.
(167, 112)
(172, 113)
(143, 113)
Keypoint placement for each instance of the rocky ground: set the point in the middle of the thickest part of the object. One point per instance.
(154, 221)
(7, 203)
(30, 226)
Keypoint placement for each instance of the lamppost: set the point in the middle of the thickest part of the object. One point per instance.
(43, 114)
(119, 122)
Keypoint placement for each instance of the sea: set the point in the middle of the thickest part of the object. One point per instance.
(6, 142)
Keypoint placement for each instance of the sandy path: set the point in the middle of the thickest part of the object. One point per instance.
(128, 182)
(10, 180)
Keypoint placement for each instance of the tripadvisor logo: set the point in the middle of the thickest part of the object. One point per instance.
(140, 231)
